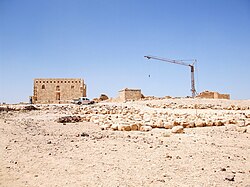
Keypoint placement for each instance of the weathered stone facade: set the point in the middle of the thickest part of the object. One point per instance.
(129, 94)
(213, 95)
(60, 90)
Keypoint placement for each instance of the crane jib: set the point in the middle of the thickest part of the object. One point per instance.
(180, 63)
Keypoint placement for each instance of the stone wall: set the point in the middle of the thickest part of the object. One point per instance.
(129, 94)
(213, 95)
(58, 90)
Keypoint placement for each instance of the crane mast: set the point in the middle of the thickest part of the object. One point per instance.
(180, 62)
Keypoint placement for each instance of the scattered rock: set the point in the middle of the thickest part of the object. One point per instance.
(178, 157)
(241, 129)
(49, 142)
(30, 107)
(84, 134)
(166, 134)
(230, 177)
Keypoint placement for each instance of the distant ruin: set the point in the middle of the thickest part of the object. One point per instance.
(129, 94)
(213, 95)
(59, 90)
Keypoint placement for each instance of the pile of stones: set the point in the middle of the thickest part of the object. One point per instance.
(126, 118)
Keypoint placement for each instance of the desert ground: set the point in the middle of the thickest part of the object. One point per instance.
(159, 142)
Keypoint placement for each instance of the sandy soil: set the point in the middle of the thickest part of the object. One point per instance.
(37, 151)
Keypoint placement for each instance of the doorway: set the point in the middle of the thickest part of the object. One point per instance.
(58, 96)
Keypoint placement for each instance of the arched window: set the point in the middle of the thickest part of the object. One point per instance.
(72, 87)
(43, 86)
(57, 88)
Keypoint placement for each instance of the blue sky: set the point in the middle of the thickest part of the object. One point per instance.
(104, 42)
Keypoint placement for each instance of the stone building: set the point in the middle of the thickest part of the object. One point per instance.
(213, 95)
(130, 94)
(60, 90)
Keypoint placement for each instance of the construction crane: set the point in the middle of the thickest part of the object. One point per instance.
(181, 62)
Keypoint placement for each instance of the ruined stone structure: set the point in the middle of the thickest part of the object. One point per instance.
(60, 90)
(130, 94)
(213, 95)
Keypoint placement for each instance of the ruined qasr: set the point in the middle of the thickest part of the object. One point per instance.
(58, 90)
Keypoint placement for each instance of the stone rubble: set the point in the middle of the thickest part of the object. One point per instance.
(134, 118)
(174, 105)
(124, 118)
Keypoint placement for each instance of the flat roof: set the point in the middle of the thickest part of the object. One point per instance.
(129, 89)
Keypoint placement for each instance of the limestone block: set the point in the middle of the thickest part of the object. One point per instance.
(146, 117)
(248, 129)
(124, 128)
(151, 124)
(139, 125)
(168, 125)
(231, 121)
(134, 127)
(241, 123)
(176, 123)
(114, 127)
(92, 118)
(103, 112)
(137, 118)
(218, 123)
(159, 123)
(209, 123)
(96, 121)
(178, 129)
(145, 128)
(185, 124)
(191, 124)
(200, 123)
(104, 127)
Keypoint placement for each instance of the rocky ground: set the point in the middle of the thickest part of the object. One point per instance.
(171, 142)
